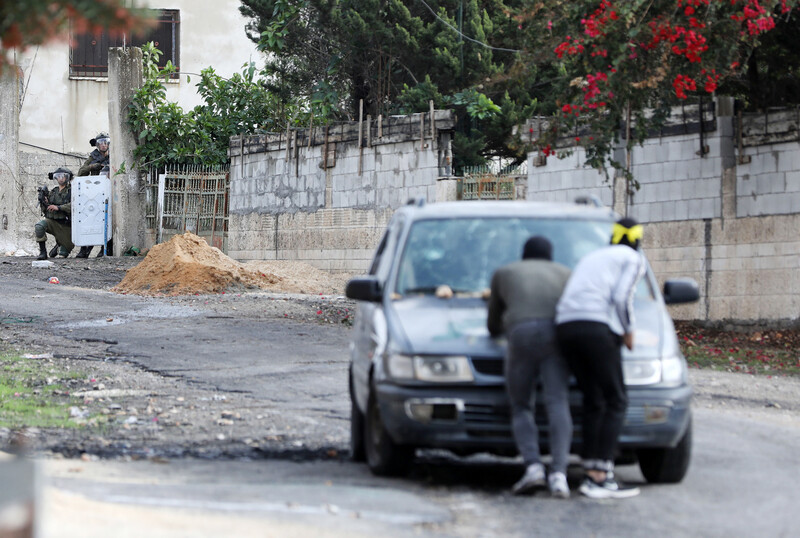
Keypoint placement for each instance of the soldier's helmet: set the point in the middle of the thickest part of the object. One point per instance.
(102, 137)
(61, 171)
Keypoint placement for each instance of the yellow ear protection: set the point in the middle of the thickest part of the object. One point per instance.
(634, 233)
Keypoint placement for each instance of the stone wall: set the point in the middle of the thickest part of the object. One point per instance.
(724, 212)
(325, 195)
(33, 170)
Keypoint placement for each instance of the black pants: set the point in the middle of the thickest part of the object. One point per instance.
(594, 354)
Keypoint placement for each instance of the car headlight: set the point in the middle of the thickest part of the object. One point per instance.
(673, 371)
(638, 372)
(670, 371)
(435, 369)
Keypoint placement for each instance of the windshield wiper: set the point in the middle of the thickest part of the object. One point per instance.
(433, 289)
(424, 289)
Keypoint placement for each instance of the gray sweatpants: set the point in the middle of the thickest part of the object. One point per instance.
(533, 352)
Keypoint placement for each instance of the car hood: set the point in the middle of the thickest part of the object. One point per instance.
(429, 325)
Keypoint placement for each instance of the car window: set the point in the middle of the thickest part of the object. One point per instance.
(376, 260)
(381, 262)
(463, 253)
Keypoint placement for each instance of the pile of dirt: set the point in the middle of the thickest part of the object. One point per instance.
(187, 265)
(300, 277)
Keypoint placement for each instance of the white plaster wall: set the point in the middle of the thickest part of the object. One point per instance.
(61, 114)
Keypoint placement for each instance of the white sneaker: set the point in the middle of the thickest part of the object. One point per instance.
(607, 489)
(559, 488)
(532, 479)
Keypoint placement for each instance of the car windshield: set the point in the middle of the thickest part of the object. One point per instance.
(463, 253)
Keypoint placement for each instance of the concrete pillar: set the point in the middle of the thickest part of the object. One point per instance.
(446, 189)
(127, 189)
(9, 158)
(620, 193)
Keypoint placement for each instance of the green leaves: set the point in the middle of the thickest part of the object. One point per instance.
(169, 135)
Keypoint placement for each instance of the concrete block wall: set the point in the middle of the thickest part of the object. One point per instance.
(286, 205)
(728, 219)
(336, 240)
(676, 183)
(747, 268)
(769, 184)
(562, 180)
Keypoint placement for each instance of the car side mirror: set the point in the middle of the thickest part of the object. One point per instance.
(681, 290)
(365, 288)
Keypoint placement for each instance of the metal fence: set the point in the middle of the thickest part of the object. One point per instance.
(482, 184)
(189, 199)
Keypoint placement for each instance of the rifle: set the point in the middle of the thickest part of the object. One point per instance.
(43, 200)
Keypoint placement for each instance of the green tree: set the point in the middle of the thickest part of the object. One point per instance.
(169, 135)
(392, 55)
(36, 22)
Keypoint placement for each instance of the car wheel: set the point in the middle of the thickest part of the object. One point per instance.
(384, 456)
(667, 465)
(357, 450)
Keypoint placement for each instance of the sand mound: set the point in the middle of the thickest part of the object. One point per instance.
(300, 277)
(186, 265)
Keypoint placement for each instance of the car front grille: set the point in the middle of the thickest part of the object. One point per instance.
(487, 420)
(489, 366)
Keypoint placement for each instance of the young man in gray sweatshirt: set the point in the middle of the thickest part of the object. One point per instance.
(522, 305)
(597, 301)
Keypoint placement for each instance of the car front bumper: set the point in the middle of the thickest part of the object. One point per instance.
(477, 418)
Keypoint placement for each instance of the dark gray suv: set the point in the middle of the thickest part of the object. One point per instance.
(425, 373)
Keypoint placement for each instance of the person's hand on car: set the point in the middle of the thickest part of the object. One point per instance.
(627, 339)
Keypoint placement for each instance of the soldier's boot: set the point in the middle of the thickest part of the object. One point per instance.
(54, 251)
(83, 252)
(64, 253)
(42, 251)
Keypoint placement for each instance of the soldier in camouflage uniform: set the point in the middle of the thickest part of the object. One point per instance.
(57, 215)
(98, 159)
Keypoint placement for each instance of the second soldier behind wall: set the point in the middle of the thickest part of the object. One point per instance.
(98, 159)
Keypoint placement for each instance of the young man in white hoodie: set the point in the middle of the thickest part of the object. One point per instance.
(596, 303)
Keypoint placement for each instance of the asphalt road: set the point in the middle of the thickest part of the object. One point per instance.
(743, 480)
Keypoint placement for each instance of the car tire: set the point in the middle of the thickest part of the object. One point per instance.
(384, 456)
(667, 465)
(357, 450)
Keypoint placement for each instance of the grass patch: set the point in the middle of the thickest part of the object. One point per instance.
(33, 393)
(769, 353)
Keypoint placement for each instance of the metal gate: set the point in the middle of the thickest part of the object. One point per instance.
(189, 199)
(481, 183)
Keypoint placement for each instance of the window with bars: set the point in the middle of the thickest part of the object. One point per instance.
(89, 52)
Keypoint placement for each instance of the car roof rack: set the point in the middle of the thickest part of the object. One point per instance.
(419, 202)
(589, 199)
